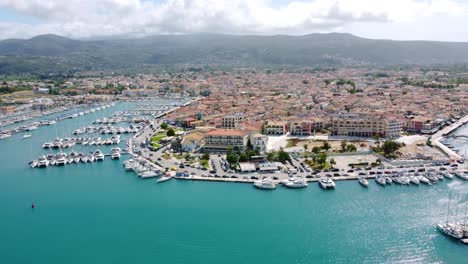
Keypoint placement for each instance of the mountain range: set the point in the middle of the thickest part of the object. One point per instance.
(52, 53)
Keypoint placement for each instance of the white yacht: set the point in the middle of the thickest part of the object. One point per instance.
(98, 155)
(129, 164)
(414, 180)
(423, 179)
(380, 180)
(26, 136)
(34, 164)
(57, 143)
(115, 153)
(115, 139)
(42, 162)
(4, 135)
(84, 159)
(30, 128)
(147, 174)
(164, 178)
(298, 182)
(451, 230)
(91, 158)
(431, 176)
(363, 181)
(462, 175)
(388, 180)
(447, 175)
(326, 183)
(61, 159)
(266, 183)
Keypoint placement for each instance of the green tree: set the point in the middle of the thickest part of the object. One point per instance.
(170, 132)
(326, 146)
(243, 157)
(249, 144)
(283, 156)
(164, 126)
(351, 148)
(205, 156)
(343, 146)
(316, 150)
(320, 158)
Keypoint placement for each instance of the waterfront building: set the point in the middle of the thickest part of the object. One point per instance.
(365, 126)
(275, 128)
(193, 141)
(300, 128)
(222, 139)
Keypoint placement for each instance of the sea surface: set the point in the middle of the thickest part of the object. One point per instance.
(99, 213)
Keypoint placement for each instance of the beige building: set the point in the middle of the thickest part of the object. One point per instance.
(275, 128)
(365, 127)
(222, 139)
(232, 121)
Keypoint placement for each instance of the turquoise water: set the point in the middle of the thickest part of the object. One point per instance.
(98, 213)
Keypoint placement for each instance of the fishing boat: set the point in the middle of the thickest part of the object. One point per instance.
(26, 136)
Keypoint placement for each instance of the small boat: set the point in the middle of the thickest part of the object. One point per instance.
(163, 179)
(26, 136)
(462, 175)
(423, 179)
(447, 175)
(414, 180)
(98, 155)
(34, 164)
(388, 180)
(380, 180)
(363, 181)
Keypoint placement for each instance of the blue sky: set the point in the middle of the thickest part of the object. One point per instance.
(443, 20)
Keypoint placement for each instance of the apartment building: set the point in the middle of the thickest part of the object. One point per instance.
(275, 128)
(232, 121)
(365, 127)
(300, 128)
(259, 142)
(222, 139)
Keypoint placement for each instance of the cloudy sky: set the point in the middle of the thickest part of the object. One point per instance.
(445, 20)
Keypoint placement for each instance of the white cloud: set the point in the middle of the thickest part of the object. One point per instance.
(92, 18)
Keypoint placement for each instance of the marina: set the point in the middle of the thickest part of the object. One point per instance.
(64, 193)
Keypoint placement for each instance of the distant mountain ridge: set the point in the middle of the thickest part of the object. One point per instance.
(56, 53)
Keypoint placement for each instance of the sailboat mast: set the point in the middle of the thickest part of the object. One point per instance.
(448, 207)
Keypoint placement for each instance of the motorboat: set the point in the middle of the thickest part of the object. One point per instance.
(439, 176)
(164, 178)
(84, 159)
(388, 180)
(42, 162)
(451, 230)
(5, 135)
(147, 174)
(363, 181)
(98, 155)
(30, 128)
(129, 164)
(266, 183)
(34, 163)
(61, 159)
(91, 158)
(380, 180)
(447, 175)
(462, 175)
(47, 145)
(57, 143)
(414, 180)
(26, 136)
(298, 182)
(423, 179)
(431, 176)
(326, 183)
(115, 153)
(115, 139)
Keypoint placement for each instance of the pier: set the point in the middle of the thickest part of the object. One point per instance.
(446, 131)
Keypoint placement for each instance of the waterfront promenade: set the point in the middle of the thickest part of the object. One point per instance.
(445, 131)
